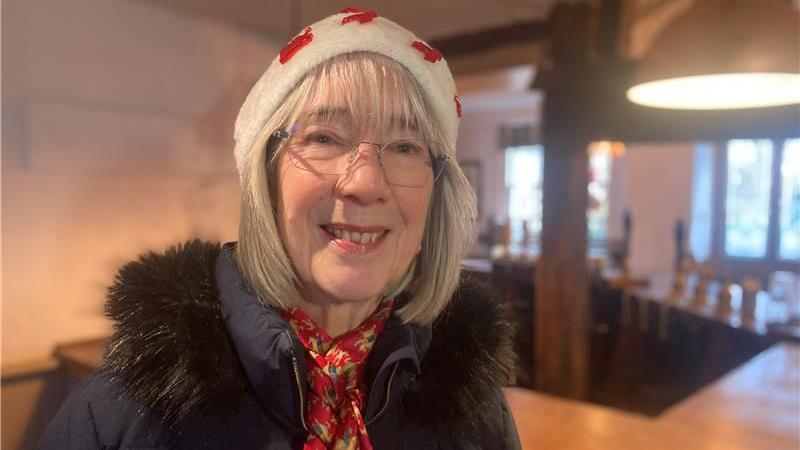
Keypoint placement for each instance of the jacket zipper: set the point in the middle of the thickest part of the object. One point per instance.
(299, 391)
(388, 395)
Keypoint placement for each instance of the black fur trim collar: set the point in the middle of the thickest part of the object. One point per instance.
(470, 357)
(171, 350)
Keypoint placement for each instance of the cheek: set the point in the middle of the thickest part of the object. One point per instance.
(414, 209)
(299, 193)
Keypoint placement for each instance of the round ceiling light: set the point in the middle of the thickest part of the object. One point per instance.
(719, 91)
(723, 54)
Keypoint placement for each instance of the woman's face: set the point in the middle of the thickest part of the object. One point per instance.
(328, 224)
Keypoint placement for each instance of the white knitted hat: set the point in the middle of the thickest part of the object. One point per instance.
(351, 30)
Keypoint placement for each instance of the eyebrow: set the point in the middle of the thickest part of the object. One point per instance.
(329, 112)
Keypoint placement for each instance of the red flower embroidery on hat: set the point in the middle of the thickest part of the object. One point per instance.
(360, 17)
(351, 9)
(458, 106)
(299, 41)
(431, 54)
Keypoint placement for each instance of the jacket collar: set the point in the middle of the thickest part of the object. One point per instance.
(264, 343)
(190, 338)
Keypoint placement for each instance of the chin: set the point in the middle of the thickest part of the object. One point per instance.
(346, 290)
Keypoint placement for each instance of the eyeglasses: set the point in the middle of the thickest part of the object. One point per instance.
(324, 149)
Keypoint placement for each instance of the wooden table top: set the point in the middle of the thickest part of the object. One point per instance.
(756, 407)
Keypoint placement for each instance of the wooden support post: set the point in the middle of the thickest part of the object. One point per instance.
(561, 323)
(562, 288)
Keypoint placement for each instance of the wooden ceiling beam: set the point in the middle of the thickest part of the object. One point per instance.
(499, 57)
(480, 41)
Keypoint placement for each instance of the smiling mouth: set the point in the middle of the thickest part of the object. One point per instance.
(353, 238)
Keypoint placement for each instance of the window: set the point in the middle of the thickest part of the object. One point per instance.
(749, 175)
(789, 234)
(524, 174)
(524, 183)
(755, 207)
(600, 157)
(753, 177)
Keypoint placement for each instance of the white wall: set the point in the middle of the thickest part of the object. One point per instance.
(657, 180)
(117, 138)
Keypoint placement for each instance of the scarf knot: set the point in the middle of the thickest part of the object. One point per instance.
(336, 389)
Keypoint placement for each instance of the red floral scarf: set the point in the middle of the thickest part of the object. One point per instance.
(336, 387)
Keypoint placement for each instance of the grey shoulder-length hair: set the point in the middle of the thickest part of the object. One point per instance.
(355, 78)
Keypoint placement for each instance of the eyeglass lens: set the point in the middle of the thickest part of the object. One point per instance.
(325, 149)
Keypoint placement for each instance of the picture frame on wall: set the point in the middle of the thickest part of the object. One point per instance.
(472, 169)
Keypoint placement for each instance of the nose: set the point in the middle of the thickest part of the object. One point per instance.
(364, 181)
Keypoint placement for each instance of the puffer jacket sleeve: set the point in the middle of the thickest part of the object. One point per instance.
(73, 427)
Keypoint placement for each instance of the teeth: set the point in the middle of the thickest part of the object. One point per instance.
(353, 236)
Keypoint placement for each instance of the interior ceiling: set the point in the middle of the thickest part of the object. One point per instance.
(430, 19)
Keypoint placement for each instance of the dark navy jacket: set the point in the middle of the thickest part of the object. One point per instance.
(197, 362)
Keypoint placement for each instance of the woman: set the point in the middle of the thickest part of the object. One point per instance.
(338, 321)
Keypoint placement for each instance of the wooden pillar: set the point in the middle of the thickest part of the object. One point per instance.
(562, 297)
(561, 323)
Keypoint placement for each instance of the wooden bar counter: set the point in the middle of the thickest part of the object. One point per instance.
(761, 398)
(754, 407)
(766, 320)
(757, 406)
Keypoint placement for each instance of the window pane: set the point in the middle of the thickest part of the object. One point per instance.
(747, 198)
(600, 160)
(789, 238)
(702, 206)
(524, 183)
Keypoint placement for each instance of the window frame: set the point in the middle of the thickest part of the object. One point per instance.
(736, 267)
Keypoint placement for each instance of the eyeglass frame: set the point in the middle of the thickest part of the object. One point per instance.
(284, 135)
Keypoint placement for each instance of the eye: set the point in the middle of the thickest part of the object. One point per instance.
(405, 148)
(321, 138)
(409, 148)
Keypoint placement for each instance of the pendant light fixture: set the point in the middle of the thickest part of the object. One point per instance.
(724, 54)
